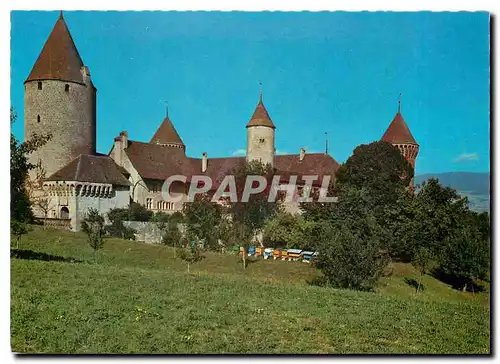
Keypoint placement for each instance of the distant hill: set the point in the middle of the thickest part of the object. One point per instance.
(476, 186)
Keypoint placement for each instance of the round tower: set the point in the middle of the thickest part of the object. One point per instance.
(60, 99)
(399, 135)
(260, 136)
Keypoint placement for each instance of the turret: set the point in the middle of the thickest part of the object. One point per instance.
(399, 135)
(167, 135)
(260, 136)
(60, 99)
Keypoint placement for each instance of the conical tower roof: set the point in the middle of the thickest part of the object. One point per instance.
(59, 59)
(398, 132)
(166, 134)
(260, 116)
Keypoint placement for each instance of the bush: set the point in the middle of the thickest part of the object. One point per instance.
(172, 235)
(137, 212)
(287, 231)
(161, 219)
(117, 228)
(348, 259)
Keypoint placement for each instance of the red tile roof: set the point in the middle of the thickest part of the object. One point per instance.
(59, 59)
(153, 161)
(261, 117)
(398, 132)
(91, 168)
(166, 134)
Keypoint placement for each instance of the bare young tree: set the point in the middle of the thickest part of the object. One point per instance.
(37, 193)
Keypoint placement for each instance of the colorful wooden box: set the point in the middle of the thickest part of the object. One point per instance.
(268, 253)
(258, 251)
(294, 254)
(306, 256)
(251, 251)
(276, 253)
(284, 254)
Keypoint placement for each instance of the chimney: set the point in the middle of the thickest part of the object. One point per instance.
(302, 154)
(124, 137)
(204, 161)
(118, 151)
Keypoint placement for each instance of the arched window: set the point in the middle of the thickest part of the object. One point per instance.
(64, 213)
(66, 88)
(38, 118)
(39, 85)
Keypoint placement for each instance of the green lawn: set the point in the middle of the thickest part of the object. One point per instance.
(139, 299)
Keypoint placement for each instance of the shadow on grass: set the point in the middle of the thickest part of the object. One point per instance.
(414, 283)
(458, 283)
(32, 255)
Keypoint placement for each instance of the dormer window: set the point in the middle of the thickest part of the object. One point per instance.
(39, 85)
(66, 88)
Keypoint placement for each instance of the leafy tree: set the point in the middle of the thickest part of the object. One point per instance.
(249, 217)
(287, 231)
(161, 219)
(350, 241)
(20, 206)
(117, 228)
(137, 212)
(350, 257)
(465, 256)
(422, 261)
(177, 217)
(378, 167)
(18, 229)
(440, 212)
(172, 236)
(202, 218)
(93, 226)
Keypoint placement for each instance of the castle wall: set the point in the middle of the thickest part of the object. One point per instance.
(79, 205)
(68, 115)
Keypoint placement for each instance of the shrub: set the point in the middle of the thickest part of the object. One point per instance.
(18, 229)
(172, 235)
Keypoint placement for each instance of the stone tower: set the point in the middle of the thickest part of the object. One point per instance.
(399, 135)
(260, 136)
(60, 99)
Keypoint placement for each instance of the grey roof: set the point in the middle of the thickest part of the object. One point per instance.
(91, 168)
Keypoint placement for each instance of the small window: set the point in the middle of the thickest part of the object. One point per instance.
(262, 140)
(38, 118)
(39, 85)
(66, 88)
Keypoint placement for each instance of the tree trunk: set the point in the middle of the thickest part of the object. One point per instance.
(244, 258)
(188, 267)
(465, 288)
(17, 242)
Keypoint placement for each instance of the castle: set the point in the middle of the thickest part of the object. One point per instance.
(60, 99)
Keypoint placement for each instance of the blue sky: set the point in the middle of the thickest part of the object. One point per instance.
(339, 73)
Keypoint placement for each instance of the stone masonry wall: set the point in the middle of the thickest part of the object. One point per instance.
(68, 115)
(260, 144)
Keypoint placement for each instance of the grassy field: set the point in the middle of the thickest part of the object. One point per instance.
(139, 298)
